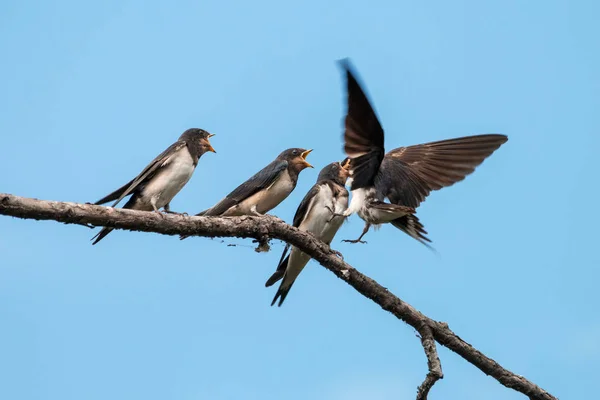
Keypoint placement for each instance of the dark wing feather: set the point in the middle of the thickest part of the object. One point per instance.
(261, 180)
(281, 267)
(304, 207)
(408, 174)
(411, 225)
(143, 177)
(363, 134)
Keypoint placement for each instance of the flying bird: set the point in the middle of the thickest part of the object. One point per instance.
(405, 175)
(265, 189)
(319, 213)
(163, 178)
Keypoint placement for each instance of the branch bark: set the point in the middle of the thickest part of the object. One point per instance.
(433, 363)
(263, 229)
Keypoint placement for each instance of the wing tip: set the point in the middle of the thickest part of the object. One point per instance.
(344, 63)
(280, 295)
(274, 278)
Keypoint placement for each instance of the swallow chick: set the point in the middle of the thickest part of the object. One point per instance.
(320, 213)
(163, 178)
(406, 175)
(265, 189)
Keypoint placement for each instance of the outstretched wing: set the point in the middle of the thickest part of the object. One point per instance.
(261, 180)
(363, 134)
(160, 161)
(408, 174)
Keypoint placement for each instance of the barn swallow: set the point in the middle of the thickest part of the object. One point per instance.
(319, 213)
(406, 175)
(163, 178)
(265, 189)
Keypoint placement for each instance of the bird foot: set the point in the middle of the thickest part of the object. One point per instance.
(175, 212)
(339, 254)
(355, 241)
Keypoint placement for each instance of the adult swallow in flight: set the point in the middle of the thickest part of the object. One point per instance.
(319, 213)
(163, 178)
(406, 175)
(265, 189)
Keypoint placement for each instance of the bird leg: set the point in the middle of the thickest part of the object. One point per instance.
(254, 212)
(155, 209)
(364, 232)
(167, 209)
(337, 253)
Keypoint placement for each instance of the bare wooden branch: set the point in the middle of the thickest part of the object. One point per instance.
(272, 227)
(433, 363)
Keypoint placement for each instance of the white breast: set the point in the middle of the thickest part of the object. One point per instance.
(359, 200)
(177, 171)
(318, 223)
(319, 214)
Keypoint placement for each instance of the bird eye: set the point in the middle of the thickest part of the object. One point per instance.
(295, 152)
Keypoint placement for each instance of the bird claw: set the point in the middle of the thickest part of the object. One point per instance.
(334, 215)
(355, 241)
(339, 254)
(175, 212)
(160, 213)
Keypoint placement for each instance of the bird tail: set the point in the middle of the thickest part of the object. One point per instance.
(114, 195)
(411, 225)
(278, 274)
(282, 293)
(100, 235)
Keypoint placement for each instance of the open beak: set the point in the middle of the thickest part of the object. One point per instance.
(345, 170)
(303, 155)
(211, 135)
(209, 146)
(346, 164)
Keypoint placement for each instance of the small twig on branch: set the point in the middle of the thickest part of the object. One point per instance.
(270, 227)
(433, 363)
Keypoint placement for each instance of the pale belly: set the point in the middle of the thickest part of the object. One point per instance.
(319, 225)
(318, 222)
(169, 181)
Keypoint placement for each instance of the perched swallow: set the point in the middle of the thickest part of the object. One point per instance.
(163, 178)
(406, 175)
(319, 213)
(265, 189)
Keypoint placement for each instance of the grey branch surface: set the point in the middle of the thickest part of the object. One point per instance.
(263, 229)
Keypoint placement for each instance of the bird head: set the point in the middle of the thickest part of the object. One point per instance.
(200, 138)
(296, 158)
(336, 171)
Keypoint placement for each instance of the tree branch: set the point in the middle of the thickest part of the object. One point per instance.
(271, 227)
(433, 363)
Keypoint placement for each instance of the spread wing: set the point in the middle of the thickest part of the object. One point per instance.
(301, 212)
(261, 180)
(363, 134)
(408, 174)
(160, 161)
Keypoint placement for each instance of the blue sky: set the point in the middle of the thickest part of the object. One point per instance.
(91, 92)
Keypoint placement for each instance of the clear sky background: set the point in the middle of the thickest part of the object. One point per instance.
(90, 92)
